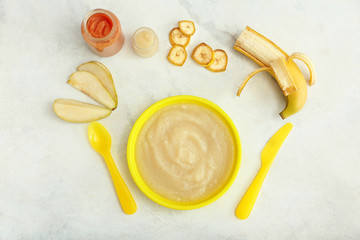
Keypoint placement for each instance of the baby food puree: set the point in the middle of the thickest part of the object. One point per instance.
(184, 152)
(102, 32)
(145, 42)
(99, 25)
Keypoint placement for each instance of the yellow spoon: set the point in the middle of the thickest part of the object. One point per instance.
(100, 140)
(268, 154)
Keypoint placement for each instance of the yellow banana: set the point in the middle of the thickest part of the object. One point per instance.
(296, 100)
(280, 65)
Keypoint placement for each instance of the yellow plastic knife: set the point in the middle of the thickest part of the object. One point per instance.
(267, 157)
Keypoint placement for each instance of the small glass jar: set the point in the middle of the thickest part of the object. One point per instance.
(145, 42)
(102, 32)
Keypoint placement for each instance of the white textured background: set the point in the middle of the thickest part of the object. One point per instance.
(54, 186)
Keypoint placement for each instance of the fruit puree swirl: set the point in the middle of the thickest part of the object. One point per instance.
(99, 25)
(104, 29)
(185, 152)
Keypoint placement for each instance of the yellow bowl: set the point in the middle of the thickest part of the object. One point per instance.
(131, 156)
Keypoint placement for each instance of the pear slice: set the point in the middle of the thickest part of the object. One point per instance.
(92, 86)
(79, 112)
(103, 66)
(103, 74)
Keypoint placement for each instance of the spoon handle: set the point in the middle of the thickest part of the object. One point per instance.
(126, 200)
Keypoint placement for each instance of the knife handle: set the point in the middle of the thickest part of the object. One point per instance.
(246, 204)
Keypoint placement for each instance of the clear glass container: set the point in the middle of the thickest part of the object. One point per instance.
(145, 42)
(107, 44)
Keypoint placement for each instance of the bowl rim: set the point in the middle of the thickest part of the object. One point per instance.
(132, 142)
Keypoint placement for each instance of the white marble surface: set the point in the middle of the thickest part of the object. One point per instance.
(54, 186)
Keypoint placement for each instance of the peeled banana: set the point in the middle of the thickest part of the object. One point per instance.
(280, 65)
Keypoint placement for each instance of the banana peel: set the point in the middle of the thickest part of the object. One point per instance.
(264, 52)
(296, 100)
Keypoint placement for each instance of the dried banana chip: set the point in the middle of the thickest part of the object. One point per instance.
(203, 55)
(187, 27)
(176, 37)
(220, 61)
(177, 55)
